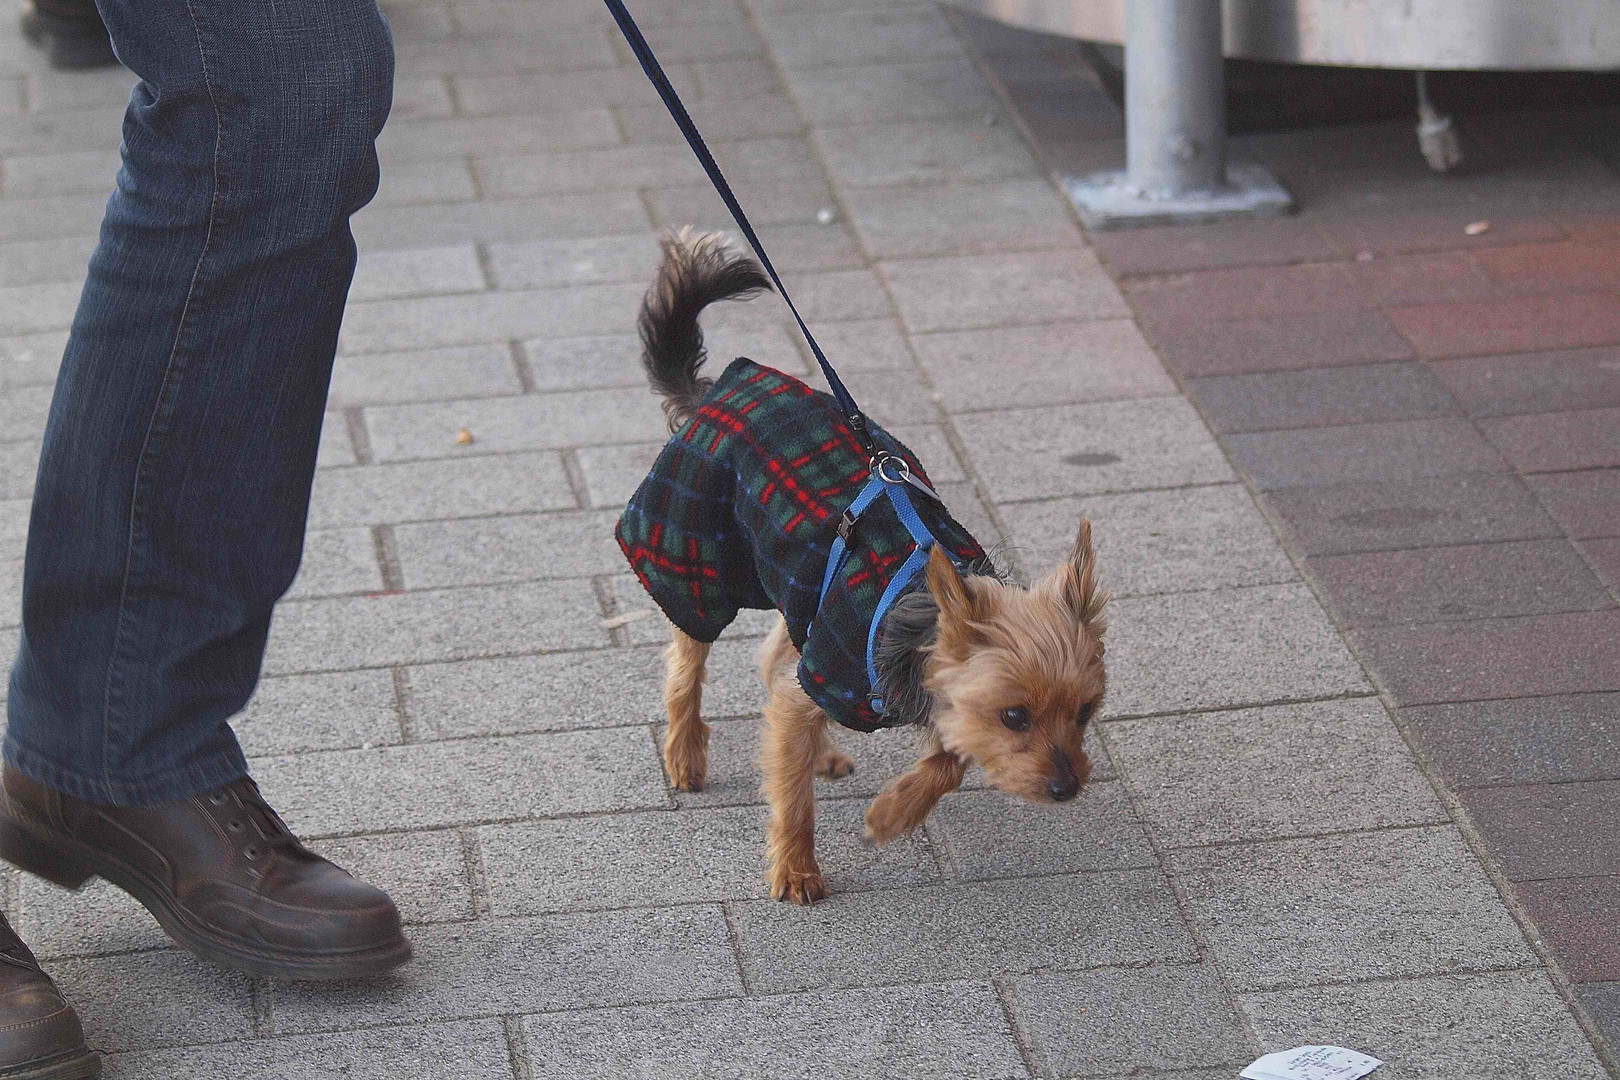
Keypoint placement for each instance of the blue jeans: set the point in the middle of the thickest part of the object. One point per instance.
(174, 483)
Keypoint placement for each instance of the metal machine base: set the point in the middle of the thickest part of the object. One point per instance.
(1105, 201)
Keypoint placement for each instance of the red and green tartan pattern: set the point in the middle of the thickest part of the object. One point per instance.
(740, 511)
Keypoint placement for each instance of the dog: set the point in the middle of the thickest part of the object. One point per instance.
(741, 510)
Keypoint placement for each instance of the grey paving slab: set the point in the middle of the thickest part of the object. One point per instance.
(1197, 651)
(610, 168)
(1464, 508)
(410, 183)
(1321, 397)
(336, 448)
(553, 263)
(1587, 503)
(935, 1031)
(418, 490)
(45, 260)
(155, 999)
(612, 473)
(1446, 583)
(99, 919)
(664, 857)
(1571, 737)
(961, 930)
(1091, 449)
(51, 216)
(474, 1050)
(31, 359)
(55, 91)
(865, 344)
(1390, 904)
(382, 226)
(893, 397)
(990, 834)
(562, 691)
(960, 149)
(1185, 539)
(499, 425)
(421, 98)
(454, 783)
(1059, 363)
(1399, 450)
(1491, 1026)
(417, 140)
(1537, 382)
(455, 624)
(336, 562)
(383, 275)
(23, 411)
(583, 363)
(1125, 1020)
(805, 247)
(811, 40)
(31, 309)
(76, 129)
(1260, 774)
(970, 291)
(560, 51)
(483, 551)
(14, 515)
(293, 713)
(487, 95)
(1546, 442)
(1602, 1000)
(797, 201)
(508, 966)
(767, 115)
(385, 325)
(915, 90)
(475, 371)
(971, 219)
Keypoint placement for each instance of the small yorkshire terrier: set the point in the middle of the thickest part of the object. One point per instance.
(741, 510)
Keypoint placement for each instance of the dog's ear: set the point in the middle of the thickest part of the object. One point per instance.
(959, 608)
(1074, 584)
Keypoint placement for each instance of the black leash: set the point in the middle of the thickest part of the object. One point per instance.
(694, 139)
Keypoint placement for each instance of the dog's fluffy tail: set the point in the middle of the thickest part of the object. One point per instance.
(697, 270)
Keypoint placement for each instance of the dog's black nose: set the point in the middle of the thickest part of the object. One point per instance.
(1064, 784)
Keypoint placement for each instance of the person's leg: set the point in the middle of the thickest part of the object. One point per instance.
(174, 482)
(70, 31)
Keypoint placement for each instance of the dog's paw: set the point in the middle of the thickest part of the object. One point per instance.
(885, 822)
(802, 887)
(835, 765)
(683, 776)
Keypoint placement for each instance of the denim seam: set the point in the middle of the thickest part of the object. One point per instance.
(157, 425)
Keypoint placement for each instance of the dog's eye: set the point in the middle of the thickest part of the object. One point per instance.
(1017, 719)
(1085, 713)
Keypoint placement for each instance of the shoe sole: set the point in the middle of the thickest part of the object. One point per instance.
(74, 1065)
(67, 862)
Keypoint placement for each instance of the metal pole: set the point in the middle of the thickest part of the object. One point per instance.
(1175, 129)
(1175, 97)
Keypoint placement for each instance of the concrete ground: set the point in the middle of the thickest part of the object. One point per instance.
(449, 709)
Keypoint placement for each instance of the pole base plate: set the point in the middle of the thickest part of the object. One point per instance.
(1105, 201)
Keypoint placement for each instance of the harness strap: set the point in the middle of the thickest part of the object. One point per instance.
(694, 139)
(895, 490)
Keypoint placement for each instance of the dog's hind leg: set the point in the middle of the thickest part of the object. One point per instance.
(793, 734)
(831, 762)
(686, 743)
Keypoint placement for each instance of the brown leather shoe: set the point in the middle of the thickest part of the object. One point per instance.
(40, 1037)
(219, 871)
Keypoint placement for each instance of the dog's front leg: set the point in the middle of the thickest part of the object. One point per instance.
(911, 797)
(794, 727)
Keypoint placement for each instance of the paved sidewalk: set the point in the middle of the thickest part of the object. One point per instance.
(1259, 862)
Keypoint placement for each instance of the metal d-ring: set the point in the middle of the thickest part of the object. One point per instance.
(884, 461)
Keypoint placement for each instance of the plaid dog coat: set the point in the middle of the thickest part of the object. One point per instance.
(740, 511)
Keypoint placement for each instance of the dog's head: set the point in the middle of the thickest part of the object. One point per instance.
(1017, 675)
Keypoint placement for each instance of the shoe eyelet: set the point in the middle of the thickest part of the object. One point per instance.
(235, 826)
(250, 852)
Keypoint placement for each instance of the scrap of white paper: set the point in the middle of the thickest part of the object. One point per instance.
(1312, 1063)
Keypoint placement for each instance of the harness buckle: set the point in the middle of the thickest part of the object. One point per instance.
(846, 527)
